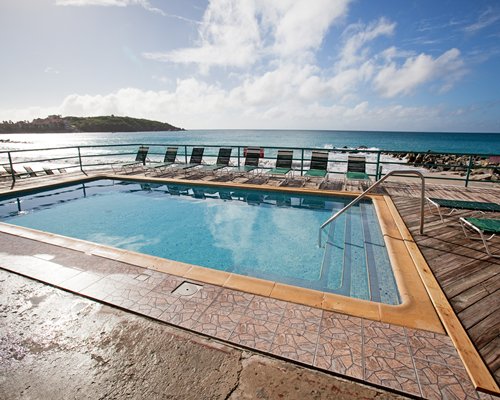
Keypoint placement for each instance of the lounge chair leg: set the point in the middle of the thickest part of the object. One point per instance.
(485, 240)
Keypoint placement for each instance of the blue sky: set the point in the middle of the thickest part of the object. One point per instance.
(422, 65)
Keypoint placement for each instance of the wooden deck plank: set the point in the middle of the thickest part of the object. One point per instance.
(480, 310)
(469, 278)
(475, 278)
(491, 355)
(468, 297)
(486, 330)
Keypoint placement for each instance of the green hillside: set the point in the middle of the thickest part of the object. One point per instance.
(58, 124)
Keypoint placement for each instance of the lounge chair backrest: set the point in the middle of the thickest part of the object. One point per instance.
(48, 171)
(30, 171)
(170, 155)
(224, 156)
(253, 156)
(196, 155)
(319, 160)
(284, 159)
(142, 153)
(356, 164)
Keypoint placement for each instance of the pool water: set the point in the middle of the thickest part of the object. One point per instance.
(268, 235)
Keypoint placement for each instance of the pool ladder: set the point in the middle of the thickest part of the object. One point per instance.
(362, 195)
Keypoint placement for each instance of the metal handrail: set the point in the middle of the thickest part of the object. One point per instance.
(357, 199)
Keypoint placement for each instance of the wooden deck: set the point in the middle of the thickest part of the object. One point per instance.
(470, 279)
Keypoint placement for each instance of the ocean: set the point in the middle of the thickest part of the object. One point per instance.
(477, 143)
(472, 143)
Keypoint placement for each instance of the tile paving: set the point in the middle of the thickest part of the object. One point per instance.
(411, 361)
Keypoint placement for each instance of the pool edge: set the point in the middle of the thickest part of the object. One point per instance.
(397, 314)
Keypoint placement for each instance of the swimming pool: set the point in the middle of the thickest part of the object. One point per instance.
(270, 235)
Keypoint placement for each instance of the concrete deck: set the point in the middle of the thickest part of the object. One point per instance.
(410, 361)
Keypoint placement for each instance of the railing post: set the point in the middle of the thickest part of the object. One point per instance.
(80, 159)
(11, 168)
(302, 163)
(469, 167)
(239, 155)
(377, 167)
(185, 154)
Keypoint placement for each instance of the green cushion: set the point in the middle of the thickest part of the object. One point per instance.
(213, 167)
(246, 168)
(357, 176)
(280, 171)
(316, 172)
(485, 224)
(466, 205)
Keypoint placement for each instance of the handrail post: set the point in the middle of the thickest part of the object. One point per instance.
(362, 195)
(302, 163)
(12, 173)
(185, 154)
(377, 167)
(469, 168)
(239, 155)
(80, 159)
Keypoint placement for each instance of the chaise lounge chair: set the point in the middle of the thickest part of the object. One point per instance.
(16, 173)
(319, 165)
(168, 161)
(460, 205)
(251, 161)
(484, 227)
(283, 164)
(222, 162)
(140, 161)
(195, 159)
(3, 173)
(54, 171)
(356, 169)
(30, 171)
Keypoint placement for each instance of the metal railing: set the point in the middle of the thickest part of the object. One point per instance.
(94, 156)
(362, 195)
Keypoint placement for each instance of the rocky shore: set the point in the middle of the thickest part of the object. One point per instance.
(483, 168)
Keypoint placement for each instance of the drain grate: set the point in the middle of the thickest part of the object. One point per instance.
(187, 289)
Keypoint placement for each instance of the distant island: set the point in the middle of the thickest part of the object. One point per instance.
(58, 124)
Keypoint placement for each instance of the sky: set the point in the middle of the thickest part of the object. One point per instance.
(412, 65)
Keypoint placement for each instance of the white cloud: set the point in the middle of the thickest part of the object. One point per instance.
(282, 85)
(487, 18)
(358, 35)
(294, 33)
(392, 80)
(51, 70)
(196, 105)
(229, 36)
(238, 33)
(111, 3)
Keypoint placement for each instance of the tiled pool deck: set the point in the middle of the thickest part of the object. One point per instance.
(414, 362)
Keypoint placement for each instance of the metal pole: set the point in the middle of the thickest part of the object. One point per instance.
(80, 159)
(302, 163)
(11, 168)
(185, 155)
(377, 168)
(357, 199)
(469, 168)
(239, 155)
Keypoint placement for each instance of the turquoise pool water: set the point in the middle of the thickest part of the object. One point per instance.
(267, 235)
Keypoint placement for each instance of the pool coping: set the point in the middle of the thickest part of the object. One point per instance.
(415, 311)
(423, 300)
